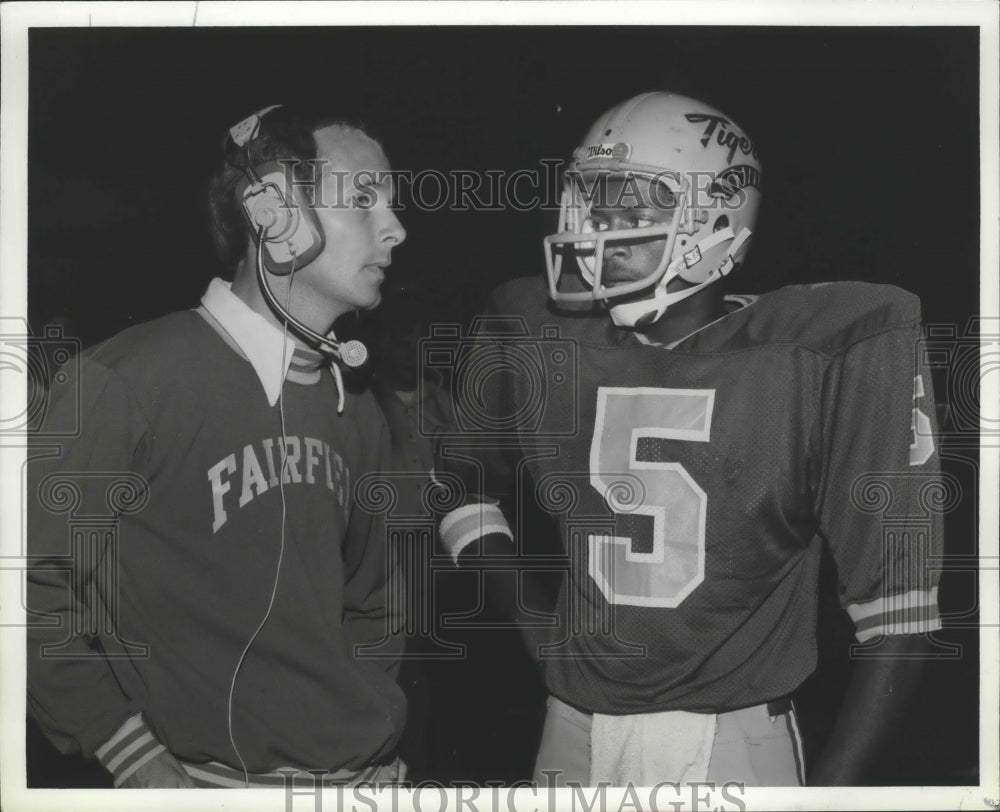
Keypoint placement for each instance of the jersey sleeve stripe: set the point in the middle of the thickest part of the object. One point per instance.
(892, 603)
(469, 523)
(909, 613)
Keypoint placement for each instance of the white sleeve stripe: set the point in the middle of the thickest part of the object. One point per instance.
(489, 521)
(894, 603)
(143, 741)
(132, 724)
(463, 541)
(149, 755)
(909, 627)
(460, 513)
(466, 524)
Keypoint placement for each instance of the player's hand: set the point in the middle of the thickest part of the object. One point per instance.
(161, 772)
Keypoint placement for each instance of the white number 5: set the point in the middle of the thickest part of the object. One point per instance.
(663, 559)
(923, 439)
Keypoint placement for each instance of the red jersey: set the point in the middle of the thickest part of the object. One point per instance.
(695, 485)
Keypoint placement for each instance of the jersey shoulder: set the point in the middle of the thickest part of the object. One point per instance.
(524, 296)
(523, 307)
(831, 316)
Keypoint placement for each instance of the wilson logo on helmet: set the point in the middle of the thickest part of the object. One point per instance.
(619, 151)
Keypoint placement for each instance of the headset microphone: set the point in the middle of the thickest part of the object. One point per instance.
(353, 353)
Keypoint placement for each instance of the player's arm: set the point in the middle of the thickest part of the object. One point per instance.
(72, 693)
(877, 511)
(478, 533)
(878, 699)
(479, 537)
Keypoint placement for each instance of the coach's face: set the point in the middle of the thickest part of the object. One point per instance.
(361, 229)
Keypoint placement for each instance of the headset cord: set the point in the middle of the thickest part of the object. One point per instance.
(281, 490)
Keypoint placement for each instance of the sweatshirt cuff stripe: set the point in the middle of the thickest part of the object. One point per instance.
(468, 523)
(149, 751)
(215, 774)
(132, 745)
(114, 744)
(141, 743)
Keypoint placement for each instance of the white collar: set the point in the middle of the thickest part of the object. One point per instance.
(258, 339)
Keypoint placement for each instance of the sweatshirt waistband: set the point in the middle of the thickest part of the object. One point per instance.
(214, 774)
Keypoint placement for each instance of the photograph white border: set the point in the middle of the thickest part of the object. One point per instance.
(17, 18)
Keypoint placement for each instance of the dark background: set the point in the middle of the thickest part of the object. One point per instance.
(869, 139)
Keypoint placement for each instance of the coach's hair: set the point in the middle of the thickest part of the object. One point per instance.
(283, 135)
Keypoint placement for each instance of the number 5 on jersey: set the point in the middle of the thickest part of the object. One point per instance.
(662, 559)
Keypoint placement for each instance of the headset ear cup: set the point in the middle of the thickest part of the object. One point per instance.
(268, 210)
(269, 217)
(293, 236)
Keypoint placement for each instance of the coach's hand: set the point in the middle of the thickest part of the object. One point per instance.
(161, 772)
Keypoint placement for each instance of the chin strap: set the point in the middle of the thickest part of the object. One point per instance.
(644, 312)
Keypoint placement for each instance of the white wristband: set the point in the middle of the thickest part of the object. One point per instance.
(468, 523)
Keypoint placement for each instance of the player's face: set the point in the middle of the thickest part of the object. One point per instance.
(361, 229)
(628, 202)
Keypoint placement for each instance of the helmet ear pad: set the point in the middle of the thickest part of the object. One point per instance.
(715, 255)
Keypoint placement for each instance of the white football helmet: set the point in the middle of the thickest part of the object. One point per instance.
(711, 169)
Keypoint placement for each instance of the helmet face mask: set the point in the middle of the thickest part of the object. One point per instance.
(658, 170)
(605, 210)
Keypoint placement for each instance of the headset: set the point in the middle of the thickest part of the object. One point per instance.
(292, 234)
(288, 233)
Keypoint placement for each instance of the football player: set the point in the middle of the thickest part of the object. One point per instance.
(699, 450)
